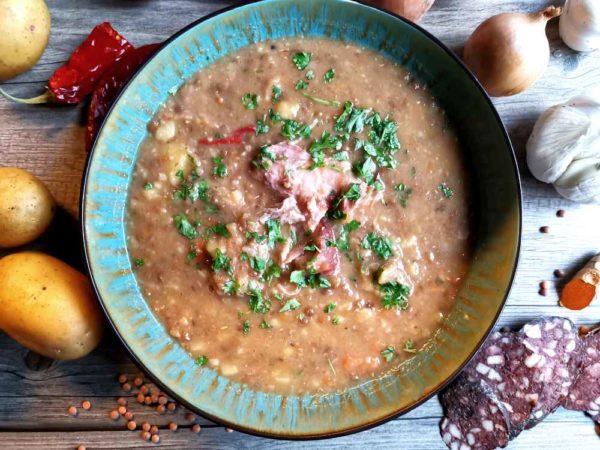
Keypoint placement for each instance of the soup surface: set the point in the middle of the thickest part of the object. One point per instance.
(299, 216)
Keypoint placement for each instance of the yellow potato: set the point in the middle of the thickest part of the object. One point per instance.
(48, 306)
(26, 207)
(25, 28)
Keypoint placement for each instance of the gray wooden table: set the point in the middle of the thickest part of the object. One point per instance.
(35, 393)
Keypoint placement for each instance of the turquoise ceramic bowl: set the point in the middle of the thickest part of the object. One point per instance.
(479, 302)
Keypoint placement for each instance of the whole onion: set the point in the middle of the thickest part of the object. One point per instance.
(411, 9)
(508, 52)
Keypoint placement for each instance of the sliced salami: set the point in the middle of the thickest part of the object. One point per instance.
(551, 347)
(584, 395)
(473, 419)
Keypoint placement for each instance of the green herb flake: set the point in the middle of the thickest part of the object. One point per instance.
(444, 189)
(265, 325)
(272, 271)
(184, 227)
(246, 327)
(301, 60)
(191, 255)
(250, 101)
(274, 235)
(409, 346)
(311, 248)
(329, 308)
(301, 85)
(335, 320)
(258, 303)
(220, 169)
(310, 75)
(351, 120)
(366, 169)
(148, 186)
(380, 245)
(201, 360)
(257, 264)
(293, 130)
(221, 262)
(395, 295)
(404, 192)
(353, 193)
(139, 262)
(219, 228)
(291, 305)
(277, 93)
(343, 238)
(261, 126)
(389, 353)
(250, 235)
(231, 287)
(329, 75)
(322, 101)
(297, 277)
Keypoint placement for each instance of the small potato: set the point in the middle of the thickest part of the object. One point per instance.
(25, 28)
(26, 207)
(48, 306)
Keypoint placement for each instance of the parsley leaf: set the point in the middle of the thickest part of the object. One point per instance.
(409, 346)
(301, 85)
(184, 227)
(443, 187)
(366, 169)
(394, 295)
(265, 325)
(389, 353)
(258, 303)
(343, 239)
(301, 60)
(352, 120)
(329, 75)
(272, 271)
(250, 101)
(297, 277)
(139, 262)
(220, 169)
(257, 264)
(380, 245)
(221, 261)
(335, 320)
(310, 75)
(277, 92)
(148, 186)
(261, 126)
(404, 193)
(353, 193)
(231, 287)
(274, 235)
(311, 248)
(219, 228)
(202, 360)
(291, 305)
(292, 129)
(246, 327)
(329, 308)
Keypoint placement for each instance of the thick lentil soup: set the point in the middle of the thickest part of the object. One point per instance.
(299, 216)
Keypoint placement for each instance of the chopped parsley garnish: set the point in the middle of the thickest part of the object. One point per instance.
(250, 101)
(380, 245)
(353, 193)
(257, 237)
(335, 320)
(322, 101)
(191, 255)
(277, 92)
(275, 117)
(202, 360)
(301, 85)
(195, 188)
(257, 264)
(409, 346)
(246, 327)
(231, 287)
(389, 353)
(310, 279)
(274, 235)
(292, 130)
(221, 262)
(219, 228)
(148, 186)
(261, 126)
(343, 239)
(383, 132)
(265, 158)
(258, 303)
(341, 156)
(310, 75)
(352, 120)
(404, 193)
(329, 308)
(329, 75)
(326, 141)
(301, 60)
(311, 248)
(366, 169)
(139, 262)
(395, 295)
(265, 325)
(443, 187)
(220, 169)
(184, 227)
(272, 271)
(291, 305)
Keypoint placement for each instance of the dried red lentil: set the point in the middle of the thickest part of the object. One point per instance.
(172, 426)
(163, 400)
(196, 428)
(114, 414)
(138, 381)
(545, 285)
(545, 229)
(72, 410)
(81, 447)
(126, 387)
(561, 213)
(121, 410)
(131, 425)
(189, 417)
(145, 435)
(155, 438)
(171, 406)
(128, 415)
(160, 409)
(122, 401)
(153, 429)
(86, 405)
(558, 273)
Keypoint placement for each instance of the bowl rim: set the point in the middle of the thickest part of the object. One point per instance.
(369, 424)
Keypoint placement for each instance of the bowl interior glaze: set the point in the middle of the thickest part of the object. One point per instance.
(477, 306)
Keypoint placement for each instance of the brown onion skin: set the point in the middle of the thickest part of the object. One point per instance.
(411, 9)
(510, 51)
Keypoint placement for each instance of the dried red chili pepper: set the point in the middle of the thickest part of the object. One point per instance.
(236, 137)
(110, 85)
(72, 82)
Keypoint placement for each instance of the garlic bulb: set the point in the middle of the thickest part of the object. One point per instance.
(564, 148)
(580, 24)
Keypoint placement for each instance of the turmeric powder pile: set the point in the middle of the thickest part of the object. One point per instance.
(583, 288)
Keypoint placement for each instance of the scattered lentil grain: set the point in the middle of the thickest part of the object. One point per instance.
(561, 213)
(162, 400)
(72, 411)
(121, 410)
(122, 401)
(196, 428)
(131, 425)
(558, 273)
(145, 435)
(160, 409)
(172, 426)
(545, 229)
(145, 426)
(122, 378)
(140, 398)
(155, 439)
(543, 292)
(114, 414)
(128, 415)
(153, 429)
(137, 381)
(126, 387)
(143, 389)
(86, 405)
(171, 406)
(228, 430)
(81, 447)
(545, 285)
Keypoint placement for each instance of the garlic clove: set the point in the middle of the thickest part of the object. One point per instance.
(581, 181)
(579, 25)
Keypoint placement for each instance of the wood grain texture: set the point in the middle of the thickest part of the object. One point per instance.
(48, 141)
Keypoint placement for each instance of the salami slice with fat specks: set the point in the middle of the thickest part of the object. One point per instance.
(551, 348)
(473, 418)
(584, 395)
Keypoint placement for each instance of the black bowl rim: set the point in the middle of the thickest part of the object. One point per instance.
(357, 428)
